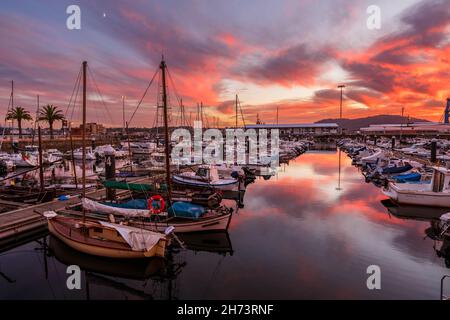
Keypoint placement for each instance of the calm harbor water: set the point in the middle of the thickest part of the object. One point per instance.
(309, 232)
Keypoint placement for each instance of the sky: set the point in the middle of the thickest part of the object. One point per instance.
(285, 54)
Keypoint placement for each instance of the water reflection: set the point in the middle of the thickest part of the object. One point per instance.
(297, 237)
(434, 231)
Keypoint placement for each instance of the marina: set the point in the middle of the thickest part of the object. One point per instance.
(227, 159)
(325, 238)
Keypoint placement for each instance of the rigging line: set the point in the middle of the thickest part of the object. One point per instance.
(6, 116)
(242, 114)
(73, 90)
(75, 97)
(177, 96)
(8, 109)
(75, 101)
(93, 101)
(99, 93)
(143, 96)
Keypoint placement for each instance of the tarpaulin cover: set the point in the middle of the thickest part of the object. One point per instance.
(186, 210)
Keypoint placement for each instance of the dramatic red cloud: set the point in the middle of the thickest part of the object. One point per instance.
(408, 67)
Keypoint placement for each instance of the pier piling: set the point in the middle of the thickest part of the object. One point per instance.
(433, 150)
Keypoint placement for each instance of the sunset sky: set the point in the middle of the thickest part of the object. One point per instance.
(289, 54)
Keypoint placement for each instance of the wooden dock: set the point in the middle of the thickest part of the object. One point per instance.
(19, 223)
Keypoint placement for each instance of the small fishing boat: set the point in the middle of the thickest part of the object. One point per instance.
(183, 216)
(100, 151)
(78, 154)
(106, 239)
(139, 269)
(436, 193)
(24, 160)
(373, 158)
(205, 176)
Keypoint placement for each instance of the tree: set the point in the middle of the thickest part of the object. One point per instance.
(19, 114)
(50, 114)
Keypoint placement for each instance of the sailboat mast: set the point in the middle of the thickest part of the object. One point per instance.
(35, 121)
(41, 167)
(12, 94)
(123, 114)
(83, 137)
(166, 130)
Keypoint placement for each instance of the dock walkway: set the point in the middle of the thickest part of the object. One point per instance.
(16, 223)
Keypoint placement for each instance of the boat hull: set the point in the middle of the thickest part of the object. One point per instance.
(420, 198)
(200, 184)
(101, 251)
(218, 223)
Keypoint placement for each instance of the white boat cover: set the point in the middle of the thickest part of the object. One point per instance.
(138, 239)
(103, 208)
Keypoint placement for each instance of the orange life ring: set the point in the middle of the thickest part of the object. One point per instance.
(158, 208)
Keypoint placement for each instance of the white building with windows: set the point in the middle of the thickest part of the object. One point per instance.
(300, 128)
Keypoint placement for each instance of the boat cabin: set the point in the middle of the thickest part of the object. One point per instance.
(207, 172)
(440, 181)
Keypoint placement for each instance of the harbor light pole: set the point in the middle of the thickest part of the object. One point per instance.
(341, 86)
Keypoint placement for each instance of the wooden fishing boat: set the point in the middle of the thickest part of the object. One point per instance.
(139, 269)
(209, 220)
(206, 197)
(107, 239)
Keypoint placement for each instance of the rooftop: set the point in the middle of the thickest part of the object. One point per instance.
(292, 125)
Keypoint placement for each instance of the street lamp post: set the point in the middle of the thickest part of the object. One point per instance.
(341, 86)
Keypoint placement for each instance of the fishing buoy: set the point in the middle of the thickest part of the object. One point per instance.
(156, 204)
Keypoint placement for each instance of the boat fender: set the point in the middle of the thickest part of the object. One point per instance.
(169, 230)
(50, 214)
(156, 204)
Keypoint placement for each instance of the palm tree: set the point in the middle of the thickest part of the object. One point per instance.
(50, 114)
(19, 114)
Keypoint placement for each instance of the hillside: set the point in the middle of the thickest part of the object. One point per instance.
(355, 124)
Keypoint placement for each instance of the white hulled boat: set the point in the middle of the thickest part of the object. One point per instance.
(206, 176)
(435, 194)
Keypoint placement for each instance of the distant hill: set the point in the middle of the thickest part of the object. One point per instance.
(356, 124)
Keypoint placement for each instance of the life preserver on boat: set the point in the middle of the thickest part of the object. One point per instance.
(156, 204)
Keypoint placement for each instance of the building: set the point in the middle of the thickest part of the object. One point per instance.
(417, 128)
(300, 128)
(91, 129)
